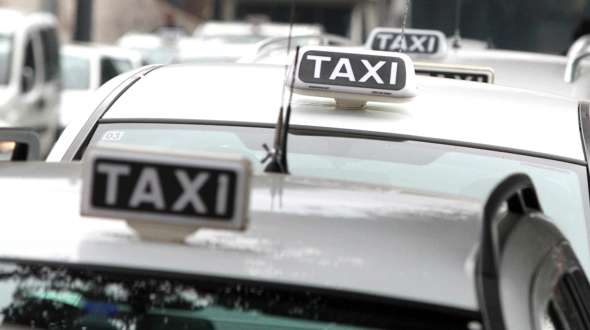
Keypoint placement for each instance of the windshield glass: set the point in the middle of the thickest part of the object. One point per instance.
(75, 72)
(473, 173)
(60, 297)
(5, 58)
(546, 26)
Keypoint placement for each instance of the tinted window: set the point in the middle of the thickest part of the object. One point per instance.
(51, 52)
(75, 72)
(54, 297)
(5, 58)
(30, 69)
(111, 67)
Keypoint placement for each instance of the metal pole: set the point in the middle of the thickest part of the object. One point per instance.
(83, 29)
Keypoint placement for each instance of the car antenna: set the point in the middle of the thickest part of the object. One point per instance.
(404, 22)
(456, 44)
(278, 162)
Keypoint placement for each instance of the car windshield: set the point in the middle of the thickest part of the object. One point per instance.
(468, 172)
(545, 26)
(5, 58)
(75, 72)
(64, 297)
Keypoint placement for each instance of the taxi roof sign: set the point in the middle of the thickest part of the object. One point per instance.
(415, 42)
(457, 72)
(171, 190)
(353, 74)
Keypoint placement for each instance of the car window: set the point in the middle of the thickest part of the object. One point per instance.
(75, 72)
(65, 297)
(431, 167)
(30, 69)
(111, 67)
(51, 53)
(5, 58)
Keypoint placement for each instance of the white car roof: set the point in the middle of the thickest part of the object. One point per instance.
(140, 40)
(539, 72)
(445, 110)
(14, 20)
(369, 239)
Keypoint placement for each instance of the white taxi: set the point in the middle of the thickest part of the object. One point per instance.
(562, 75)
(142, 239)
(387, 127)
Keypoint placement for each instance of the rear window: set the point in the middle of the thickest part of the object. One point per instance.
(67, 297)
(467, 172)
(75, 72)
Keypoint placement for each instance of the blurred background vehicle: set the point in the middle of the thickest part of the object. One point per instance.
(29, 73)
(255, 31)
(85, 67)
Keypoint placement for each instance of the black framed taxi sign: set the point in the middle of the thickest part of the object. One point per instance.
(353, 74)
(458, 72)
(167, 188)
(426, 43)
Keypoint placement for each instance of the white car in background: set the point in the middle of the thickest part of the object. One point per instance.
(154, 48)
(29, 73)
(235, 41)
(250, 32)
(566, 76)
(85, 67)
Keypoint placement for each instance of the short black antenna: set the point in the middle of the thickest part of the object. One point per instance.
(278, 161)
(456, 44)
(287, 122)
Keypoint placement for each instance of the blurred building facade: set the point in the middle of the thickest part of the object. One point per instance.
(350, 18)
(113, 18)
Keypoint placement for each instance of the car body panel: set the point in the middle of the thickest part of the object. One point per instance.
(328, 234)
(251, 94)
(539, 72)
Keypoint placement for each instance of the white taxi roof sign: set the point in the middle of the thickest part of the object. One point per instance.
(459, 72)
(165, 189)
(353, 74)
(414, 42)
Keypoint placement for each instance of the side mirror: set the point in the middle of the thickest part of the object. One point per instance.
(27, 79)
(19, 144)
(577, 52)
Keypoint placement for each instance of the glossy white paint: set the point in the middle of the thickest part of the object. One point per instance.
(443, 109)
(362, 238)
(538, 72)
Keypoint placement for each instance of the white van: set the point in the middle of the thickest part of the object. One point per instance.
(85, 67)
(29, 73)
